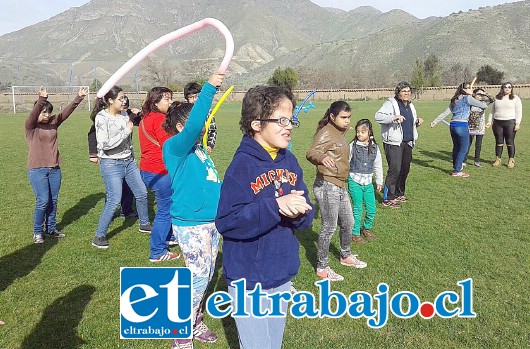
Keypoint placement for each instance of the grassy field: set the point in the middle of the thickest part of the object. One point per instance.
(65, 294)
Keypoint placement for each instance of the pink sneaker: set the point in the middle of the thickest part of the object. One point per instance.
(352, 261)
(328, 273)
(460, 174)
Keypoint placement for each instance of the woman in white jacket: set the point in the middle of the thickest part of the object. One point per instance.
(398, 121)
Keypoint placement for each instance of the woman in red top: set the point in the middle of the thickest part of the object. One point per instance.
(152, 137)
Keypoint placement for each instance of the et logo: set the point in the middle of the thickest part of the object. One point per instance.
(155, 303)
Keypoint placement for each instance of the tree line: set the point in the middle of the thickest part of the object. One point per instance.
(427, 73)
(424, 73)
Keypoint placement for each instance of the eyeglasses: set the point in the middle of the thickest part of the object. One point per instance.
(283, 121)
(508, 86)
(123, 99)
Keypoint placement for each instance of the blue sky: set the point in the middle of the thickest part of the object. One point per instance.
(17, 14)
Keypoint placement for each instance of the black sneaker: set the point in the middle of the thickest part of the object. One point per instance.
(100, 242)
(56, 234)
(131, 214)
(145, 228)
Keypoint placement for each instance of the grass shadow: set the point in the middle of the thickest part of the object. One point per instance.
(441, 155)
(22, 262)
(80, 209)
(127, 223)
(58, 325)
(309, 239)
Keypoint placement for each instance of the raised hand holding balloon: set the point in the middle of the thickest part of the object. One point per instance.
(214, 110)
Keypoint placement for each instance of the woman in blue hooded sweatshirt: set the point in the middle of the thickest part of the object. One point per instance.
(263, 200)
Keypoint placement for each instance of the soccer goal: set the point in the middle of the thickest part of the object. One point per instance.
(24, 97)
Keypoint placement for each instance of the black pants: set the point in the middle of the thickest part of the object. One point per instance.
(503, 132)
(478, 146)
(398, 158)
(127, 198)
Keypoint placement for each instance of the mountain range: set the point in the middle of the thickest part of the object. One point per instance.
(93, 40)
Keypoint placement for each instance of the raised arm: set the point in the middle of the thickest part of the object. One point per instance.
(180, 144)
(476, 103)
(33, 117)
(62, 116)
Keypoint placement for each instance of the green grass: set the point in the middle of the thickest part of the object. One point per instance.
(65, 294)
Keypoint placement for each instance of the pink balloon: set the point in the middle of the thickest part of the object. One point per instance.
(166, 39)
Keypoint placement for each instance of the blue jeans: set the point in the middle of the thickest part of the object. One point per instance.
(46, 183)
(460, 136)
(266, 332)
(161, 186)
(114, 171)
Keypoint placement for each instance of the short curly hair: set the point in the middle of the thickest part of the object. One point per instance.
(401, 86)
(260, 102)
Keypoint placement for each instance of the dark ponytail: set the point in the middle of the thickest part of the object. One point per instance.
(460, 91)
(102, 103)
(334, 109)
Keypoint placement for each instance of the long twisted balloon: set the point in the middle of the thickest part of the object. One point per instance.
(166, 39)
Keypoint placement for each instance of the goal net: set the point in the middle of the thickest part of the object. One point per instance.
(23, 97)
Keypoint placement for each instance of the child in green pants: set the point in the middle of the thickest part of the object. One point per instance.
(365, 159)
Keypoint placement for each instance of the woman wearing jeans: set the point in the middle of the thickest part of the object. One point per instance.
(114, 142)
(460, 106)
(43, 161)
(154, 174)
(507, 113)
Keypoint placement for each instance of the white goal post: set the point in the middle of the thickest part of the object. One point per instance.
(23, 97)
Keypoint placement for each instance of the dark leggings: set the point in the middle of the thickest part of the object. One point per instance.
(478, 146)
(503, 132)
